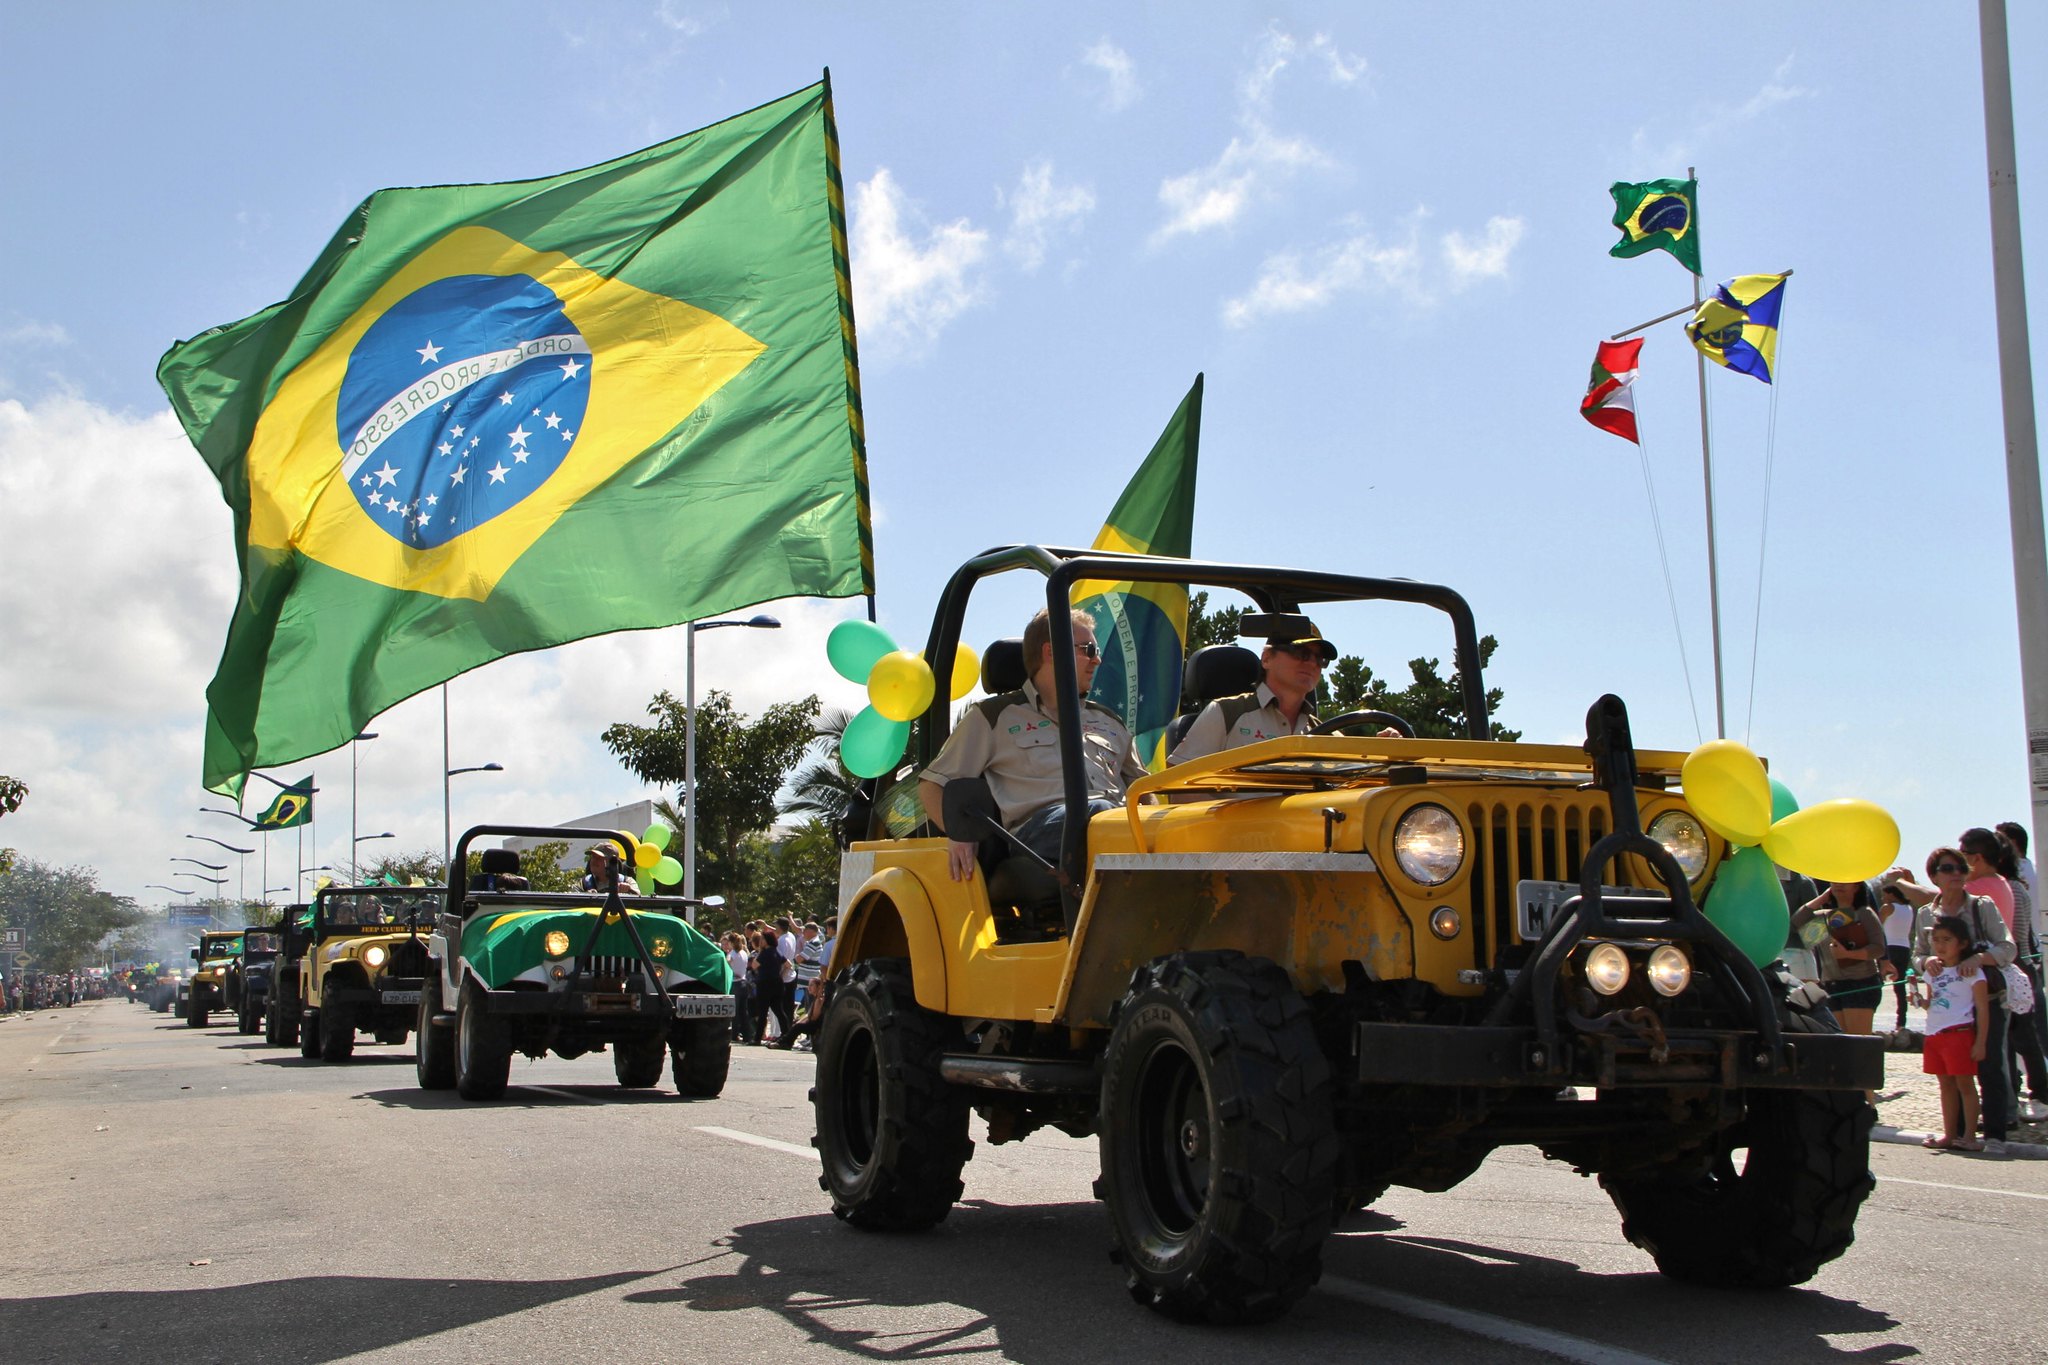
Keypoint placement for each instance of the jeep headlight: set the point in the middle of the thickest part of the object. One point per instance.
(1429, 845)
(1669, 970)
(1607, 969)
(1684, 838)
(556, 943)
(374, 955)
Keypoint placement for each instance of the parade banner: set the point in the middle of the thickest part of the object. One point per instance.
(496, 418)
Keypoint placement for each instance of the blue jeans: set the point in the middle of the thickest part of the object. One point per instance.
(1045, 827)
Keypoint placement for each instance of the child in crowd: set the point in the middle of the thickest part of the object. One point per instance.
(1958, 1015)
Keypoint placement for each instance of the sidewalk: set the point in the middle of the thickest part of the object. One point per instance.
(1909, 1105)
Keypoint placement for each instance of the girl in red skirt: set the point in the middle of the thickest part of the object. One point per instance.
(1958, 1016)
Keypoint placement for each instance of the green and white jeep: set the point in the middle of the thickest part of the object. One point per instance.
(515, 970)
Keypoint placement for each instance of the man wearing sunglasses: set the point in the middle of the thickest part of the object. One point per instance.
(1293, 661)
(1013, 740)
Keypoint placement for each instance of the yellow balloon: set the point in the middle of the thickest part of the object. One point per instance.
(900, 685)
(1850, 840)
(1726, 787)
(646, 855)
(966, 671)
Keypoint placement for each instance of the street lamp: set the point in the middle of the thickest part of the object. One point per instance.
(447, 832)
(300, 884)
(159, 886)
(217, 881)
(690, 737)
(231, 814)
(359, 737)
(210, 867)
(242, 876)
(355, 852)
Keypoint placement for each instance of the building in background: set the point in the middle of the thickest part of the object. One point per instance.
(633, 819)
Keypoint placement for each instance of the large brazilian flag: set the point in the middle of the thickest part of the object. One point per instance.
(1143, 627)
(496, 418)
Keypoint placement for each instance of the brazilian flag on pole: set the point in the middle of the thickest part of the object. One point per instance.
(1143, 627)
(496, 418)
(1658, 215)
(293, 806)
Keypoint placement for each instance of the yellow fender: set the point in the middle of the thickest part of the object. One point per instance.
(906, 926)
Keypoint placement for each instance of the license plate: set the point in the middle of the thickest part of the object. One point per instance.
(399, 998)
(702, 1006)
(1537, 903)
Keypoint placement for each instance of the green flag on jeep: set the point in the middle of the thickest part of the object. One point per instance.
(497, 418)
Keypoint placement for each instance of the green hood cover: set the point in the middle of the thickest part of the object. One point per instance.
(500, 945)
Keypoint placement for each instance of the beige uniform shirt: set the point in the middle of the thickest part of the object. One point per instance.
(1019, 755)
(1208, 735)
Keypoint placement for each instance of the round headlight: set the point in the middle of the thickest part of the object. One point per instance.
(1669, 970)
(557, 943)
(374, 955)
(1607, 969)
(1443, 922)
(1429, 845)
(1684, 838)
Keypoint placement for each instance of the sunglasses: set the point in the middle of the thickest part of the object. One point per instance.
(1088, 649)
(1957, 868)
(1306, 653)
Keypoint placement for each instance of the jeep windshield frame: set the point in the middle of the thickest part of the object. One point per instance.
(1274, 589)
(261, 943)
(404, 910)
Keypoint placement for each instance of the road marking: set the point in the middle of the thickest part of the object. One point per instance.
(734, 1135)
(1485, 1325)
(1967, 1189)
(560, 1094)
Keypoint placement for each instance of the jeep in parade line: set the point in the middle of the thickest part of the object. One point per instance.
(515, 970)
(207, 990)
(284, 1005)
(247, 984)
(366, 957)
(1286, 976)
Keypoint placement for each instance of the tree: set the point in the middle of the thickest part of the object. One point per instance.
(1433, 705)
(797, 876)
(13, 791)
(741, 765)
(823, 787)
(1210, 628)
(65, 912)
(406, 869)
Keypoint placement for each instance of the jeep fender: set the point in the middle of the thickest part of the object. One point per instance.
(892, 916)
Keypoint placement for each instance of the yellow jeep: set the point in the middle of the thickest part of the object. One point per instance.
(1290, 974)
(211, 960)
(364, 966)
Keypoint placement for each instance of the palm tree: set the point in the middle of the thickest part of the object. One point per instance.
(822, 786)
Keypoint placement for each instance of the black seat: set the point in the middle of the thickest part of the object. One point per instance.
(1212, 671)
(498, 870)
(1002, 667)
(1021, 889)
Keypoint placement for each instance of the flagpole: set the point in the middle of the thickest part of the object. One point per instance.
(1707, 472)
(2016, 390)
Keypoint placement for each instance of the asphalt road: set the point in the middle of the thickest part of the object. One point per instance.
(170, 1194)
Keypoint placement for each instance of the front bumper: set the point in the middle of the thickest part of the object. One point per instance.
(1477, 1055)
(575, 1004)
(399, 992)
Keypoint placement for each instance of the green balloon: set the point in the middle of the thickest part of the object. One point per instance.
(667, 872)
(872, 743)
(657, 834)
(1783, 802)
(854, 646)
(1747, 904)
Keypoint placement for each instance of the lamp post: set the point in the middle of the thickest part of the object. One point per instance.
(159, 886)
(242, 876)
(447, 831)
(355, 867)
(300, 884)
(352, 771)
(210, 867)
(762, 622)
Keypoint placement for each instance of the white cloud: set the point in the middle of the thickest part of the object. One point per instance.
(1485, 257)
(1042, 209)
(1279, 50)
(28, 332)
(1120, 76)
(910, 281)
(1297, 282)
(1716, 120)
(688, 21)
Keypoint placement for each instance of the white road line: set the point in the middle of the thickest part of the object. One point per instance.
(559, 1094)
(1485, 1325)
(734, 1135)
(1967, 1189)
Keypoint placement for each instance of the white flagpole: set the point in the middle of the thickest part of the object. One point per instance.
(1707, 471)
(2016, 387)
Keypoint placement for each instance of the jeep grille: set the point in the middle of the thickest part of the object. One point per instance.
(1527, 840)
(408, 958)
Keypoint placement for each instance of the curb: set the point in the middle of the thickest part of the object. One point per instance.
(2021, 1151)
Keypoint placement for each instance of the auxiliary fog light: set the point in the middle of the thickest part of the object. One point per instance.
(1443, 922)
(1669, 971)
(558, 971)
(1429, 845)
(374, 955)
(1607, 969)
(557, 943)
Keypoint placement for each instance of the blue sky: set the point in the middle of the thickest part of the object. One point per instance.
(1379, 230)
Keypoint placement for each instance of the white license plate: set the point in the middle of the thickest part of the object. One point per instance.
(1537, 903)
(702, 1006)
(399, 997)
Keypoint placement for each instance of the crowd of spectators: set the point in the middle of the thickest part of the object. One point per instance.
(777, 966)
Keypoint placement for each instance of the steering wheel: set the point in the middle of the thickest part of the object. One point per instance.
(1350, 719)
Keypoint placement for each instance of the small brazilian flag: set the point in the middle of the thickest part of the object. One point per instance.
(293, 806)
(1657, 215)
(497, 418)
(1143, 627)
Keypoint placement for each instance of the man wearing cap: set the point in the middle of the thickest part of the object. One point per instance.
(1293, 661)
(604, 870)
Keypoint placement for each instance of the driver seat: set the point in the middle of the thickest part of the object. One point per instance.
(1212, 671)
(1023, 895)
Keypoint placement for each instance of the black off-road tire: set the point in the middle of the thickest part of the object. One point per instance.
(309, 1034)
(271, 1030)
(700, 1055)
(195, 1017)
(891, 1133)
(337, 1033)
(1219, 1146)
(1790, 1210)
(433, 1049)
(637, 1063)
(483, 1047)
(247, 1019)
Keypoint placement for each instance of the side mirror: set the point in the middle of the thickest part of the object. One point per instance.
(712, 902)
(195, 954)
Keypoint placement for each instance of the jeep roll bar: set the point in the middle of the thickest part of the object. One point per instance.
(1274, 589)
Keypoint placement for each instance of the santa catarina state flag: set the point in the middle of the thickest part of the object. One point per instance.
(1143, 627)
(496, 418)
(1610, 401)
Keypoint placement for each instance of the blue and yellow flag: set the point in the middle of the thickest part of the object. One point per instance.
(1737, 326)
(1143, 627)
(293, 806)
(1657, 215)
